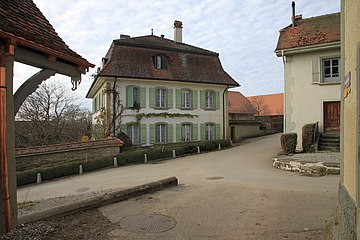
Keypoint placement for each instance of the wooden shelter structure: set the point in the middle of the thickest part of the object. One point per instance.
(26, 36)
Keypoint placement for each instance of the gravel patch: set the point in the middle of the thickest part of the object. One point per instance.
(326, 157)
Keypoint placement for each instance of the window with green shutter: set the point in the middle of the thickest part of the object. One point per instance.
(170, 98)
(202, 132)
(217, 100)
(152, 97)
(143, 134)
(178, 133)
(217, 131)
(170, 133)
(123, 128)
(129, 96)
(143, 97)
(195, 132)
(152, 133)
(194, 99)
(187, 132)
(202, 99)
(178, 98)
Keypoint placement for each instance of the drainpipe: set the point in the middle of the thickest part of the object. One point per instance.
(224, 113)
(3, 145)
(284, 118)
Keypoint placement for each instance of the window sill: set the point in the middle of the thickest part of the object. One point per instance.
(186, 108)
(161, 108)
(327, 83)
(210, 109)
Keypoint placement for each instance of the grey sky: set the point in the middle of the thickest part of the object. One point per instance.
(243, 32)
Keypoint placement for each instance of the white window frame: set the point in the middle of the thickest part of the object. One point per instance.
(161, 133)
(136, 95)
(186, 99)
(161, 98)
(332, 76)
(209, 99)
(186, 132)
(133, 131)
(209, 131)
(158, 61)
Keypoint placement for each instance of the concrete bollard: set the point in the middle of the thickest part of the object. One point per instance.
(145, 158)
(174, 154)
(80, 169)
(115, 162)
(231, 142)
(198, 149)
(219, 146)
(38, 178)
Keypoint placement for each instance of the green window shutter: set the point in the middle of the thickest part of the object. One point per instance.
(178, 98)
(217, 131)
(178, 133)
(202, 132)
(170, 98)
(194, 99)
(143, 97)
(217, 99)
(152, 133)
(152, 97)
(315, 68)
(170, 133)
(123, 128)
(195, 132)
(129, 96)
(202, 99)
(143, 134)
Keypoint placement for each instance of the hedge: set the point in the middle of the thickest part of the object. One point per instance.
(131, 156)
(308, 136)
(288, 142)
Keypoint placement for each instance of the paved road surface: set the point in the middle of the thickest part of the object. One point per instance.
(229, 194)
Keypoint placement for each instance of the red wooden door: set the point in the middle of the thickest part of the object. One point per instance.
(332, 116)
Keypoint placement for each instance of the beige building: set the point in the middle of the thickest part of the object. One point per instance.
(310, 50)
(158, 90)
(346, 224)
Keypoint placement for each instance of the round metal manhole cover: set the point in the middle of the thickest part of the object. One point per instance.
(147, 223)
(147, 200)
(214, 178)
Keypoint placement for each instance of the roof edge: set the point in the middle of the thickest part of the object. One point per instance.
(80, 62)
(310, 48)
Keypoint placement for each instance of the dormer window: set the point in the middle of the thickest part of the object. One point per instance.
(160, 62)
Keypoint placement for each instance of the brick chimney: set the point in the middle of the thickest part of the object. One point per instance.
(177, 31)
(123, 36)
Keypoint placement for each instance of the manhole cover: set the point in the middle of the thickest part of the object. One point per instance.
(147, 223)
(147, 200)
(214, 178)
(80, 190)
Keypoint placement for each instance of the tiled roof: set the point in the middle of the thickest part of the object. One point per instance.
(22, 20)
(133, 58)
(239, 103)
(271, 104)
(110, 141)
(310, 31)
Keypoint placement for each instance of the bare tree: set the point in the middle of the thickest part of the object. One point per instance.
(260, 106)
(51, 115)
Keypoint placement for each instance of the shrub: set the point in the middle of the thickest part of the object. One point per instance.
(125, 138)
(308, 136)
(288, 142)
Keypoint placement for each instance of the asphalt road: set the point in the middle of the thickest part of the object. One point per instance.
(228, 194)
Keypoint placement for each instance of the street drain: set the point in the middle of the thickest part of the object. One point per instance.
(147, 200)
(214, 178)
(147, 223)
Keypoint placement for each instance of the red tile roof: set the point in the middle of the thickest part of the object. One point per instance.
(310, 31)
(268, 105)
(239, 103)
(24, 22)
(133, 58)
(110, 141)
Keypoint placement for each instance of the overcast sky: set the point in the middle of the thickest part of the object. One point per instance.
(243, 32)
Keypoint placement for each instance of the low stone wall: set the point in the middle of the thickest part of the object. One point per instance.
(247, 129)
(46, 155)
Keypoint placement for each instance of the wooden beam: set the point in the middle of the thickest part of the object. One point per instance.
(29, 86)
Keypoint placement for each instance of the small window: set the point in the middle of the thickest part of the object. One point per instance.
(209, 131)
(136, 96)
(160, 98)
(186, 99)
(331, 70)
(186, 132)
(161, 133)
(209, 99)
(134, 133)
(160, 62)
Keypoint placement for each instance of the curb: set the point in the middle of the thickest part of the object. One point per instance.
(308, 168)
(106, 199)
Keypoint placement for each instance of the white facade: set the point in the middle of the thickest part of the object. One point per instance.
(306, 89)
(174, 123)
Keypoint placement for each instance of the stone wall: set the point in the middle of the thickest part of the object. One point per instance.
(27, 158)
(247, 129)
